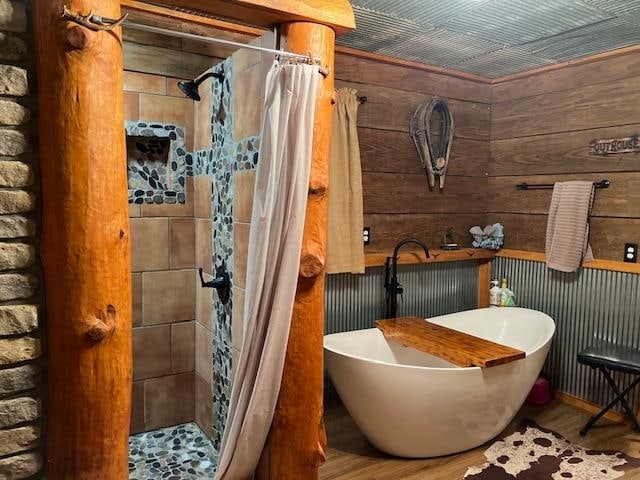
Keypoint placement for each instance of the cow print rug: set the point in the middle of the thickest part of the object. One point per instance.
(535, 453)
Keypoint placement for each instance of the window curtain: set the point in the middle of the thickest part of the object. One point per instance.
(275, 242)
(345, 246)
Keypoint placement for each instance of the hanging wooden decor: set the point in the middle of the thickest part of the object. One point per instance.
(434, 153)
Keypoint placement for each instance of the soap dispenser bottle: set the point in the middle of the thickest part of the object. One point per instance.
(504, 293)
(495, 294)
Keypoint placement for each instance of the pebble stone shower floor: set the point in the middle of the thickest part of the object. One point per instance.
(182, 452)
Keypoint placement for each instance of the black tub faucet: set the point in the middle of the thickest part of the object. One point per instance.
(391, 285)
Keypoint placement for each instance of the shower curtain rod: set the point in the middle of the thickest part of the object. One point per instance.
(174, 33)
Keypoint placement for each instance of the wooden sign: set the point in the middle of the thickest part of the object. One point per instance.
(615, 145)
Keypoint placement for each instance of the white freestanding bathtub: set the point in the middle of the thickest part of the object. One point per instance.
(411, 404)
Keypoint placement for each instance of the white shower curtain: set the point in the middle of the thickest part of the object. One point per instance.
(275, 241)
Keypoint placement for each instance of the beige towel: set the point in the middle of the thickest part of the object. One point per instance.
(345, 247)
(567, 244)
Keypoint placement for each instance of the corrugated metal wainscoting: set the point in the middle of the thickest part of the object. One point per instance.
(355, 302)
(587, 306)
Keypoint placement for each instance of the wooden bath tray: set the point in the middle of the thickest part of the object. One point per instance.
(453, 346)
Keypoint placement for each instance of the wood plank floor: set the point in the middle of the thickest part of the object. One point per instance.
(351, 457)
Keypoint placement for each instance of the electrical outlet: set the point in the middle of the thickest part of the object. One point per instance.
(366, 235)
(630, 252)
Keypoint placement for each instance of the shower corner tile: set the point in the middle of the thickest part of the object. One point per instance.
(241, 249)
(243, 191)
(237, 317)
(182, 236)
(149, 244)
(135, 210)
(204, 405)
(151, 351)
(202, 196)
(183, 347)
(169, 400)
(136, 297)
(137, 408)
(204, 245)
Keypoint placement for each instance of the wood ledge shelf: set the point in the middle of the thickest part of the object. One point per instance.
(611, 265)
(409, 257)
(412, 257)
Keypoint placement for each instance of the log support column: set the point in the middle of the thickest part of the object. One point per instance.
(296, 444)
(484, 283)
(85, 242)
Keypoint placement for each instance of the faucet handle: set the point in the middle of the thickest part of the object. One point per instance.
(400, 291)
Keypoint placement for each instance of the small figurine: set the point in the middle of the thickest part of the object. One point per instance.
(448, 242)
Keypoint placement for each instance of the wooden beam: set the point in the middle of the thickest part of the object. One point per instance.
(336, 14)
(484, 283)
(353, 52)
(569, 63)
(164, 61)
(130, 6)
(296, 444)
(85, 242)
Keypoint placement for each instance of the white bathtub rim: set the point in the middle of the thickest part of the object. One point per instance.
(455, 368)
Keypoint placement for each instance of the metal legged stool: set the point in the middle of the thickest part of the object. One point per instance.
(608, 358)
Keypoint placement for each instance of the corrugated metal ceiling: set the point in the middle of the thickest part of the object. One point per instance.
(493, 38)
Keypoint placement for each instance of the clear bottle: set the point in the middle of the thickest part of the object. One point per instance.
(504, 293)
(495, 294)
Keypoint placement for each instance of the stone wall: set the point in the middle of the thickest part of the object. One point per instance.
(20, 349)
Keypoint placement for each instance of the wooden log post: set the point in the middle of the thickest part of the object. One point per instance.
(85, 242)
(484, 283)
(296, 444)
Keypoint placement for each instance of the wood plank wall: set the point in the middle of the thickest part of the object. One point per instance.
(397, 201)
(171, 56)
(540, 132)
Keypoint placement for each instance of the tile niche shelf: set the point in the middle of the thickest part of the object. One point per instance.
(157, 162)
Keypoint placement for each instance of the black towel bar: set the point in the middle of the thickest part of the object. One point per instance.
(528, 186)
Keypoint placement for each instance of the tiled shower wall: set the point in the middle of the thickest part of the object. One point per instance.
(235, 147)
(168, 242)
(222, 136)
(156, 98)
(172, 312)
(223, 140)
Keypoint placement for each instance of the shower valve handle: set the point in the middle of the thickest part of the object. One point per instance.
(221, 282)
